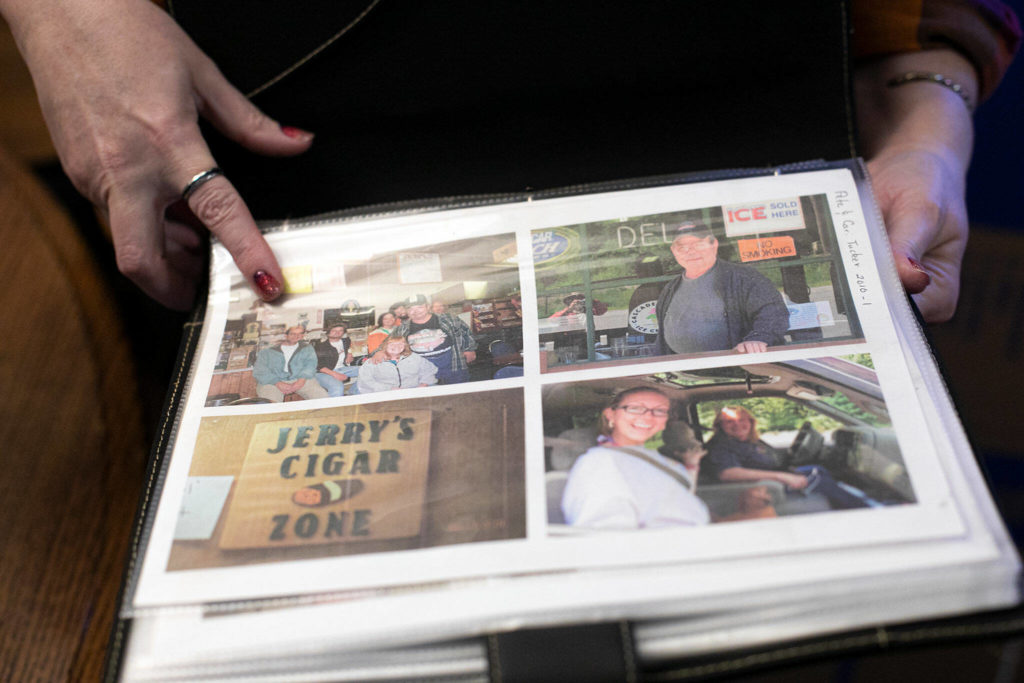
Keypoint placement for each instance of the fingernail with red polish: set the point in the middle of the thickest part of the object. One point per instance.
(296, 133)
(268, 285)
(919, 268)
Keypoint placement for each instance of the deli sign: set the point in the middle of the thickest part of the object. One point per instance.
(752, 218)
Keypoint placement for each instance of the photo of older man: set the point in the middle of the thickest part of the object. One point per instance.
(715, 305)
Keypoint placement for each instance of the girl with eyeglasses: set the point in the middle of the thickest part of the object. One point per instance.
(620, 483)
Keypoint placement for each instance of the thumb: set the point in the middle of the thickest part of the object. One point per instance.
(240, 120)
(914, 278)
(928, 260)
(912, 227)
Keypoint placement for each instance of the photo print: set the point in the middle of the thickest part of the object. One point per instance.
(704, 446)
(739, 278)
(345, 480)
(443, 314)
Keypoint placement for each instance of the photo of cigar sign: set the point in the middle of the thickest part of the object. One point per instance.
(305, 482)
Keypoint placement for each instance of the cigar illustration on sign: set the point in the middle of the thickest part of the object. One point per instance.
(327, 492)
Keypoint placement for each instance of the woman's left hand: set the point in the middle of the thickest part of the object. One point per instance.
(922, 200)
(917, 138)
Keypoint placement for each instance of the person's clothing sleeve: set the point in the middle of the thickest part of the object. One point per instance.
(264, 371)
(719, 458)
(374, 340)
(303, 364)
(367, 381)
(660, 306)
(462, 340)
(596, 496)
(986, 32)
(463, 335)
(426, 372)
(765, 309)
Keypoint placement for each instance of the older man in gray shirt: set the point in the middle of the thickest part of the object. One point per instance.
(716, 305)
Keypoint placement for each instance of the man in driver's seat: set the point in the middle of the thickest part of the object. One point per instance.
(736, 453)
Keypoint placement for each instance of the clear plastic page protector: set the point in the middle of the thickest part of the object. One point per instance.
(474, 471)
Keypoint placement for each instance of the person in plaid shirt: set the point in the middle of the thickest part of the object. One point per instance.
(442, 339)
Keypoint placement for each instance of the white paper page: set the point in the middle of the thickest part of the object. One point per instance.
(201, 506)
(405, 619)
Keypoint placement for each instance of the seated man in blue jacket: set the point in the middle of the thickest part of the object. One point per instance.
(716, 305)
(288, 368)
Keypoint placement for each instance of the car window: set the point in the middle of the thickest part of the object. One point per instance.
(878, 418)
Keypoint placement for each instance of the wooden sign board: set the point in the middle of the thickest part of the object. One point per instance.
(308, 481)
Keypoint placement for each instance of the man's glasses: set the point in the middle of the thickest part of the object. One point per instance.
(633, 409)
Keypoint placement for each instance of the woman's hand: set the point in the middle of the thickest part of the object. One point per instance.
(917, 138)
(122, 88)
(791, 480)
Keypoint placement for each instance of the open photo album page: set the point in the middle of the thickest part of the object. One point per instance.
(687, 375)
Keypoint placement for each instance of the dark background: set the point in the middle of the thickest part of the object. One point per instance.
(996, 180)
(981, 348)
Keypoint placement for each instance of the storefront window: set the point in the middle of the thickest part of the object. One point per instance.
(599, 283)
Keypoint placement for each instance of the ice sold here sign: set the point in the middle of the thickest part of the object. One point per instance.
(776, 215)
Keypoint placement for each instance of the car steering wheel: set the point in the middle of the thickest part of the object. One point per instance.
(806, 445)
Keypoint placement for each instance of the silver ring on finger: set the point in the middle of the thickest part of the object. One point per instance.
(198, 180)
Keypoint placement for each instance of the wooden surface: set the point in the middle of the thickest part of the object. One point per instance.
(71, 444)
(22, 131)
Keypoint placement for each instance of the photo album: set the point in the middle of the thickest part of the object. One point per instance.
(701, 406)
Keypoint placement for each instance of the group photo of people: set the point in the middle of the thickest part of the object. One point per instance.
(447, 314)
(742, 278)
(690, 448)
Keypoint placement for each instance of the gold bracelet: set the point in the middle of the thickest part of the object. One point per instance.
(929, 77)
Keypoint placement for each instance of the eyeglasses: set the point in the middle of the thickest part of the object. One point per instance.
(634, 409)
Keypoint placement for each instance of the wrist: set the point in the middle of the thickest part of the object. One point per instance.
(947, 62)
(918, 115)
(935, 79)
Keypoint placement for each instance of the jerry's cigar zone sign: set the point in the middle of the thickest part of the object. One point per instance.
(309, 482)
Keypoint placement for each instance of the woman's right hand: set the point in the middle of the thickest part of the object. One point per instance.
(792, 480)
(122, 88)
